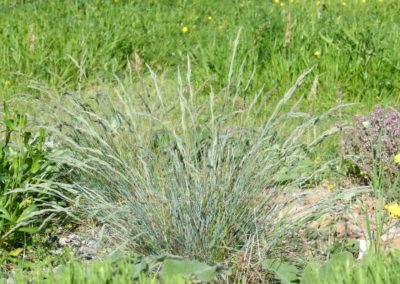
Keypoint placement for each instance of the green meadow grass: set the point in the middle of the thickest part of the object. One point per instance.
(76, 42)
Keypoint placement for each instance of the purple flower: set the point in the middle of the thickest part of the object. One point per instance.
(374, 139)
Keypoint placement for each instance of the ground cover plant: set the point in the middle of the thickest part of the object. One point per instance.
(374, 140)
(199, 141)
(125, 270)
(28, 199)
(342, 268)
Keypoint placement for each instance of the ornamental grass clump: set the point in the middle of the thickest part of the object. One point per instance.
(373, 142)
(175, 172)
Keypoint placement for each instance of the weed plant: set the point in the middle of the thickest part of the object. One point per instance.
(28, 199)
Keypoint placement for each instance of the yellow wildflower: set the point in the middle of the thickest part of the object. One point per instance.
(397, 158)
(364, 1)
(344, 3)
(7, 83)
(317, 53)
(116, 1)
(330, 186)
(282, 4)
(209, 18)
(185, 29)
(393, 209)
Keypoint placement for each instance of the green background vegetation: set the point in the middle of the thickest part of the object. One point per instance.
(90, 41)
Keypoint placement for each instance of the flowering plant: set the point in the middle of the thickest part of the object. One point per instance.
(393, 210)
(373, 142)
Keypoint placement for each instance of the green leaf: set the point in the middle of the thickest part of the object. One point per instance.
(30, 230)
(139, 268)
(340, 262)
(36, 166)
(6, 215)
(336, 270)
(311, 273)
(342, 258)
(27, 136)
(284, 272)
(10, 124)
(173, 268)
(16, 252)
(27, 213)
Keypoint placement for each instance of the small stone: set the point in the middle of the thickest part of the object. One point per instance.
(57, 251)
(63, 241)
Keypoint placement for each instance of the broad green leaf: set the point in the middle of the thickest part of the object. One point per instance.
(310, 273)
(173, 268)
(284, 272)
